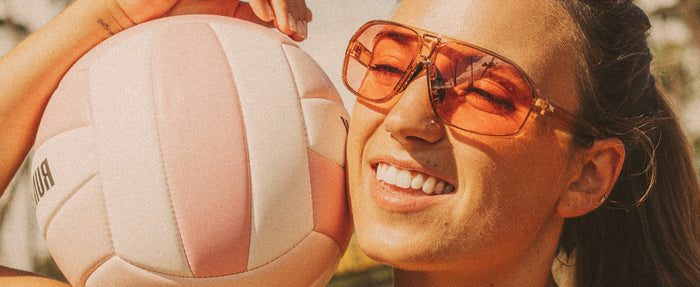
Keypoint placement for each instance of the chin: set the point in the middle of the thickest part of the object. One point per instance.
(398, 245)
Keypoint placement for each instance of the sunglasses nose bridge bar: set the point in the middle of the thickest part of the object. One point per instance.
(423, 61)
(413, 73)
(430, 43)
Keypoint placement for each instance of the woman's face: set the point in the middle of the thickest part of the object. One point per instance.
(502, 191)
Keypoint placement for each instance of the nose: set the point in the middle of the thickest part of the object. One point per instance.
(412, 119)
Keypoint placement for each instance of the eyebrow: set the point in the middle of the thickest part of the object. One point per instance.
(507, 77)
(502, 71)
(401, 38)
(452, 52)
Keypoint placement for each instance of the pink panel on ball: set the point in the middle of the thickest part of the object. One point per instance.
(70, 104)
(204, 150)
(331, 214)
(310, 259)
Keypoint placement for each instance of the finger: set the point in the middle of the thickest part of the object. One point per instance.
(293, 36)
(283, 20)
(246, 12)
(291, 17)
(309, 15)
(262, 9)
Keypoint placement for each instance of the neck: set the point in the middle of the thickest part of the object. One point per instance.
(403, 278)
(532, 267)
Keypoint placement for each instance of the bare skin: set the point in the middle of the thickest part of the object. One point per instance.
(501, 225)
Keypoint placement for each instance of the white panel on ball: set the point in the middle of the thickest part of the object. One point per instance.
(84, 217)
(326, 120)
(276, 131)
(138, 204)
(70, 169)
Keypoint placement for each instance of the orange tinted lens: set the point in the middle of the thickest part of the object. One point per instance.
(477, 91)
(377, 59)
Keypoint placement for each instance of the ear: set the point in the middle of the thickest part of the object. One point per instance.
(594, 178)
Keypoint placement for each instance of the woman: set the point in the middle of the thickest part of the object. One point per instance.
(453, 183)
(31, 71)
(481, 158)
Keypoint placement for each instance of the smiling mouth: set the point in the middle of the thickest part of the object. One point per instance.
(408, 179)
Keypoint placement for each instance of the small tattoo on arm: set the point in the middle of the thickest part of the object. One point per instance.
(105, 26)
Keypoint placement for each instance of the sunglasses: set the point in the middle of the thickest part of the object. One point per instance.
(470, 88)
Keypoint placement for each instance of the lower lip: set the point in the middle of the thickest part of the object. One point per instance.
(400, 200)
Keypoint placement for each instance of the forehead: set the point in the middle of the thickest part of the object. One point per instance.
(534, 34)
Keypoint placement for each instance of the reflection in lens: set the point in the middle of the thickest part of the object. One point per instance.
(477, 91)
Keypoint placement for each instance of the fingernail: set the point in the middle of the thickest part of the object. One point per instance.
(269, 12)
(291, 22)
(301, 25)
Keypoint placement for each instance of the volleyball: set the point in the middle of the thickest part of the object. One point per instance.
(194, 151)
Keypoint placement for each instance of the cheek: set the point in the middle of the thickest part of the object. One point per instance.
(364, 122)
(531, 163)
(512, 188)
(525, 172)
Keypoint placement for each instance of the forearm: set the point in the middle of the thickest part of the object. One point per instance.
(31, 71)
(12, 277)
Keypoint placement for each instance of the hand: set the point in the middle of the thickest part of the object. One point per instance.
(289, 16)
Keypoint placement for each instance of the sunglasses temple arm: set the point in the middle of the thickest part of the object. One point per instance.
(573, 123)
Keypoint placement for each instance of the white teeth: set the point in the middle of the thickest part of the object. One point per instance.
(429, 185)
(380, 171)
(417, 181)
(390, 175)
(402, 178)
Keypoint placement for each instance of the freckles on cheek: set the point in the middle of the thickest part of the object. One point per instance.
(506, 171)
